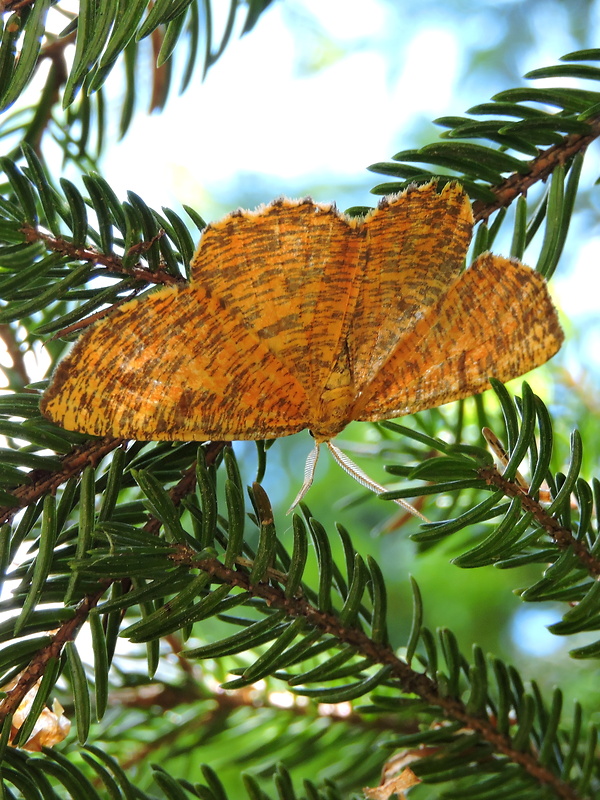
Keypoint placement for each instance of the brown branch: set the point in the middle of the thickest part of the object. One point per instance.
(112, 263)
(43, 481)
(160, 75)
(14, 5)
(540, 168)
(563, 537)
(35, 670)
(411, 682)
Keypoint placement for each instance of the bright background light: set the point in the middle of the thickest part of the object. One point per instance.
(303, 103)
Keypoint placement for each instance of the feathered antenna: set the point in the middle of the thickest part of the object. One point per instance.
(351, 469)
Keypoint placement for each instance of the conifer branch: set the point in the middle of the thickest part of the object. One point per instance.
(112, 262)
(186, 485)
(43, 481)
(563, 537)
(69, 629)
(35, 670)
(411, 682)
(541, 168)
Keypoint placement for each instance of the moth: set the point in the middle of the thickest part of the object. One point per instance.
(298, 316)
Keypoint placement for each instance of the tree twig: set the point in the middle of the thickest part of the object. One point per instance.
(563, 537)
(540, 168)
(112, 262)
(410, 681)
(43, 481)
(35, 670)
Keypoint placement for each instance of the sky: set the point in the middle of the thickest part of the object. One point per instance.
(267, 109)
